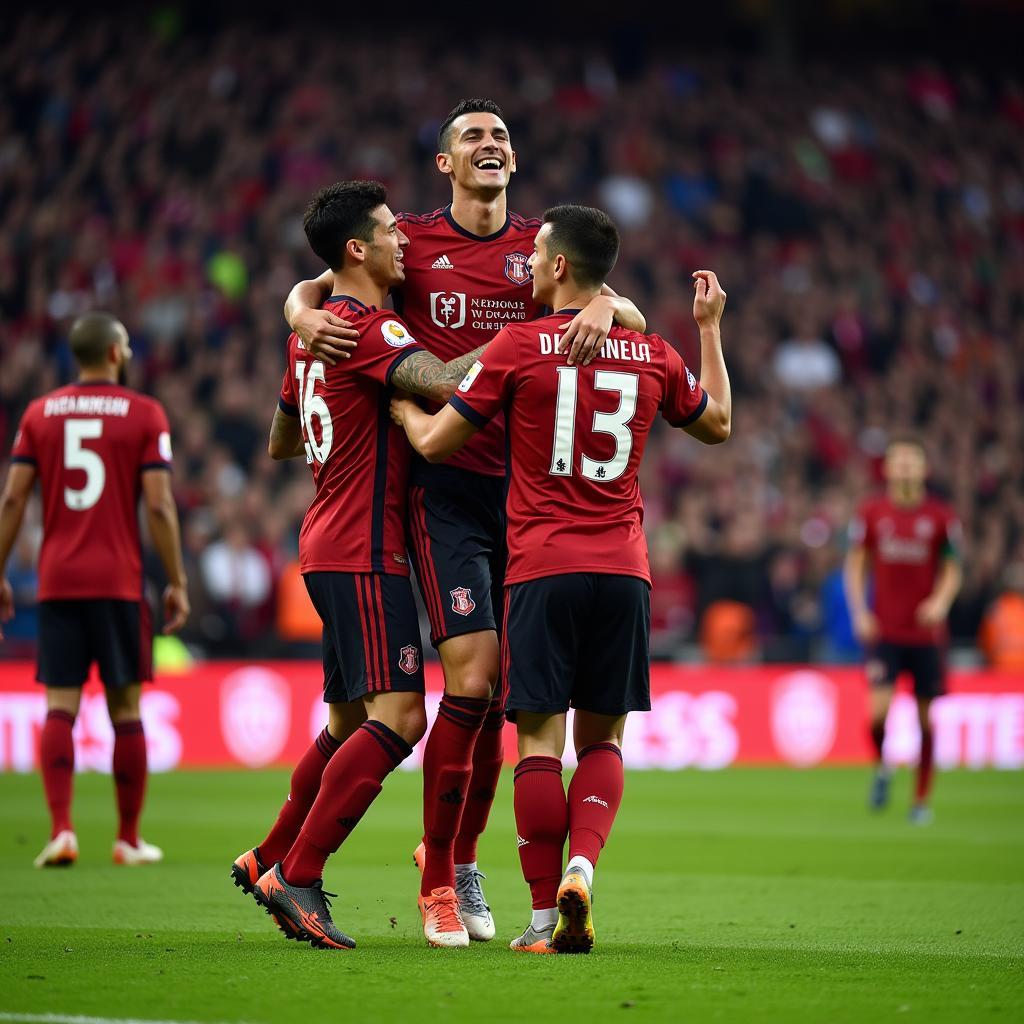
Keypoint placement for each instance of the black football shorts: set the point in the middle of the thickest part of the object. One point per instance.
(116, 635)
(371, 638)
(925, 663)
(578, 640)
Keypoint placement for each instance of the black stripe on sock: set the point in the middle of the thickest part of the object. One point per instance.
(598, 746)
(392, 744)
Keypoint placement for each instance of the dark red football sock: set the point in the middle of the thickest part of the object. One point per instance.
(350, 783)
(305, 785)
(129, 777)
(594, 797)
(57, 763)
(924, 768)
(487, 761)
(542, 823)
(878, 738)
(447, 767)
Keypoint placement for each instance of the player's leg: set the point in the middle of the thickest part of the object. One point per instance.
(539, 666)
(882, 669)
(343, 719)
(452, 537)
(63, 665)
(374, 629)
(613, 680)
(928, 669)
(542, 821)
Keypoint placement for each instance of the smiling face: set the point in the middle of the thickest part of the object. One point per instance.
(480, 156)
(384, 253)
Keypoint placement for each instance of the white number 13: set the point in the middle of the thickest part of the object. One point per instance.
(614, 423)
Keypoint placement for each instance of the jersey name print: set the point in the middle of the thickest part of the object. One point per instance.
(577, 435)
(90, 442)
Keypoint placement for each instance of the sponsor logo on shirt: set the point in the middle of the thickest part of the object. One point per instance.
(448, 309)
(471, 375)
(396, 335)
(442, 263)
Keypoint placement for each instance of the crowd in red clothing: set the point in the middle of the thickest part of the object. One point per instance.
(868, 224)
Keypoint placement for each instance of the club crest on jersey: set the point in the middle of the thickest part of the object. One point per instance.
(517, 268)
(409, 660)
(691, 380)
(448, 309)
(462, 600)
(396, 335)
(923, 528)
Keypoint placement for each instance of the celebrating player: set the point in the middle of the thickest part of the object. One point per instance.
(353, 559)
(95, 445)
(466, 276)
(908, 540)
(577, 609)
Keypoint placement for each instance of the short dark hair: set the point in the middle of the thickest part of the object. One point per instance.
(472, 106)
(339, 212)
(91, 336)
(587, 238)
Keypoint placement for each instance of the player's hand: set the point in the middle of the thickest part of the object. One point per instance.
(588, 330)
(176, 608)
(708, 299)
(932, 611)
(400, 402)
(327, 336)
(6, 603)
(865, 627)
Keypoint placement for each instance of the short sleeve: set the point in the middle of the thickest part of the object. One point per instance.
(24, 449)
(156, 443)
(684, 399)
(487, 387)
(383, 346)
(952, 535)
(288, 400)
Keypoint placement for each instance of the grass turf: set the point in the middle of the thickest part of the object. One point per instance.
(750, 894)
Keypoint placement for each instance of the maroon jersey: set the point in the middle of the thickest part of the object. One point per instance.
(577, 435)
(90, 442)
(459, 290)
(359, 458)
(906, 546)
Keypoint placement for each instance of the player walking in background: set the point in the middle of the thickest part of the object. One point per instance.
(466, 276)
(95, 446)
(352, 555)
(577, 609)
(908, 542)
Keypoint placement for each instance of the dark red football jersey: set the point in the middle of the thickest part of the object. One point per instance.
(906, 546)
(359, 458)
(90, 442)
(460, 289)
(577, 435)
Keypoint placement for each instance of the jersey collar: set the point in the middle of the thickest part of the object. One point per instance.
(566, 312)
(456, 226)
(353, 301)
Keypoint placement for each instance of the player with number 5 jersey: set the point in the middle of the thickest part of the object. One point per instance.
(96, 447)
(577, 606)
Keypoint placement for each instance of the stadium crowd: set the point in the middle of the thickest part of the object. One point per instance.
(868, 225)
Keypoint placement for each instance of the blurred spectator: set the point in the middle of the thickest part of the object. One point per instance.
(1002, 630)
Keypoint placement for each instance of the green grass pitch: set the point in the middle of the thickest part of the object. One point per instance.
(744, 895)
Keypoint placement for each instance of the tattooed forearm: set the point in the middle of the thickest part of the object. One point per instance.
(460, 367)
(424, 374)
(285, 437)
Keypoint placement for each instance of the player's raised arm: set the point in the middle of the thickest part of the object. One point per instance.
(162, 518)
(588, 330)
(434, 437)
(714, 425)
(18, 487)
(327, 336)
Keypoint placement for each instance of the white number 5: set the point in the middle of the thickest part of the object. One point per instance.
(77, 457)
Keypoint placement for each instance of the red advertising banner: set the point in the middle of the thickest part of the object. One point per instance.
(221, 714)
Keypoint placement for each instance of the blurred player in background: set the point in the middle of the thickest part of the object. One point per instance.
(95, 446)
(907, 541)
(466, 276)
(352, 554)
(577, 609)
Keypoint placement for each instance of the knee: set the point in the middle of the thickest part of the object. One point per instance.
(411, 725)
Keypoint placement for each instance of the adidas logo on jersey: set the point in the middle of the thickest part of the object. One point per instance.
(443, 263)
(595, 800)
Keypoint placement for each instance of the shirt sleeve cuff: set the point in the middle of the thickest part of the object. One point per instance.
(28, 460)
(287, 408)
(465, 410)
(399, 359)
(696, 414)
